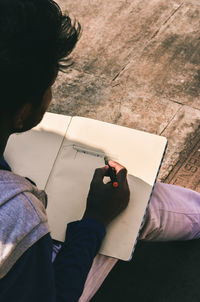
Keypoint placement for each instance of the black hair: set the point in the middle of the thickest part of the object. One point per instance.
(35, 41)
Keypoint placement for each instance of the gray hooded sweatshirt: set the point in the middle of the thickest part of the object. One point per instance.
(23, 219)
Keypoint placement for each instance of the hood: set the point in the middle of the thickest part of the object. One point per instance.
(23, 219)
(12, 185)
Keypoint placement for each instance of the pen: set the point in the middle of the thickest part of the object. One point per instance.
(112, 173)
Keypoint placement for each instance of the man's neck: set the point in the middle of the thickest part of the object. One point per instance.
(4, 135)
(3, 143)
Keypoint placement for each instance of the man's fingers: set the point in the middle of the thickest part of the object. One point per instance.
(115, 165)
(99, 174)
(122, 175)
(121, 171)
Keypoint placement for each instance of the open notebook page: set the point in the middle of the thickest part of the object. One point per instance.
(32, 153)
(82, 151)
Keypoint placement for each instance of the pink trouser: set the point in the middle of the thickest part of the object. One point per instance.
(173, 214)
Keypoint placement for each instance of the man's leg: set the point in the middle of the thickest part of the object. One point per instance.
(173, 214)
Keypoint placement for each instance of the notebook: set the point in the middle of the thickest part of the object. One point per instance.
(60, 156)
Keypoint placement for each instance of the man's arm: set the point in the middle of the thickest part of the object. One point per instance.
(64, 280)
(35, 278)
(74, 260)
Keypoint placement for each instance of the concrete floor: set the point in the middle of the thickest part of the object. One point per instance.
(137, 65)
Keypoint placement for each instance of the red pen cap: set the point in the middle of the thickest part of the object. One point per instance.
(115, 184)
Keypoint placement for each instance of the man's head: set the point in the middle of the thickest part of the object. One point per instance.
(35, 39)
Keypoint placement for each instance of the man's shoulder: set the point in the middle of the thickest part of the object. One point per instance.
(12, 184)
(19, 199)
(23, 219)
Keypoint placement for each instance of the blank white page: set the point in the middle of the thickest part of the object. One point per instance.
(140, 152)
(32, 153)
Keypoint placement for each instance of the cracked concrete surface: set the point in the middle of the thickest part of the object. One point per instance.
(137, 65)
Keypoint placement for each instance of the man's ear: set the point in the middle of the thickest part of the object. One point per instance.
(21, 116)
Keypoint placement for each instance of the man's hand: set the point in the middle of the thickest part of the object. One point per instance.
(105, 202)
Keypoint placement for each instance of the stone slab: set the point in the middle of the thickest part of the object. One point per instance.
(183, 134)
(115, 31)
(143, 113)
(186, 172)
(137, 65)
(169, 65)
(77, 93)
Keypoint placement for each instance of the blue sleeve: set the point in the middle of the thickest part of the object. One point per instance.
(31, 278)
(35, 278)
(72, 264)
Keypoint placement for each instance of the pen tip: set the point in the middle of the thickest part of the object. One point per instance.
(106, 160)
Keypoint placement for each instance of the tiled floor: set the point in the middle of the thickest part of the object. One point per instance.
(137, 65)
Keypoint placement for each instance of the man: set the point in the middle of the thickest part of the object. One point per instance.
(35, 40)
